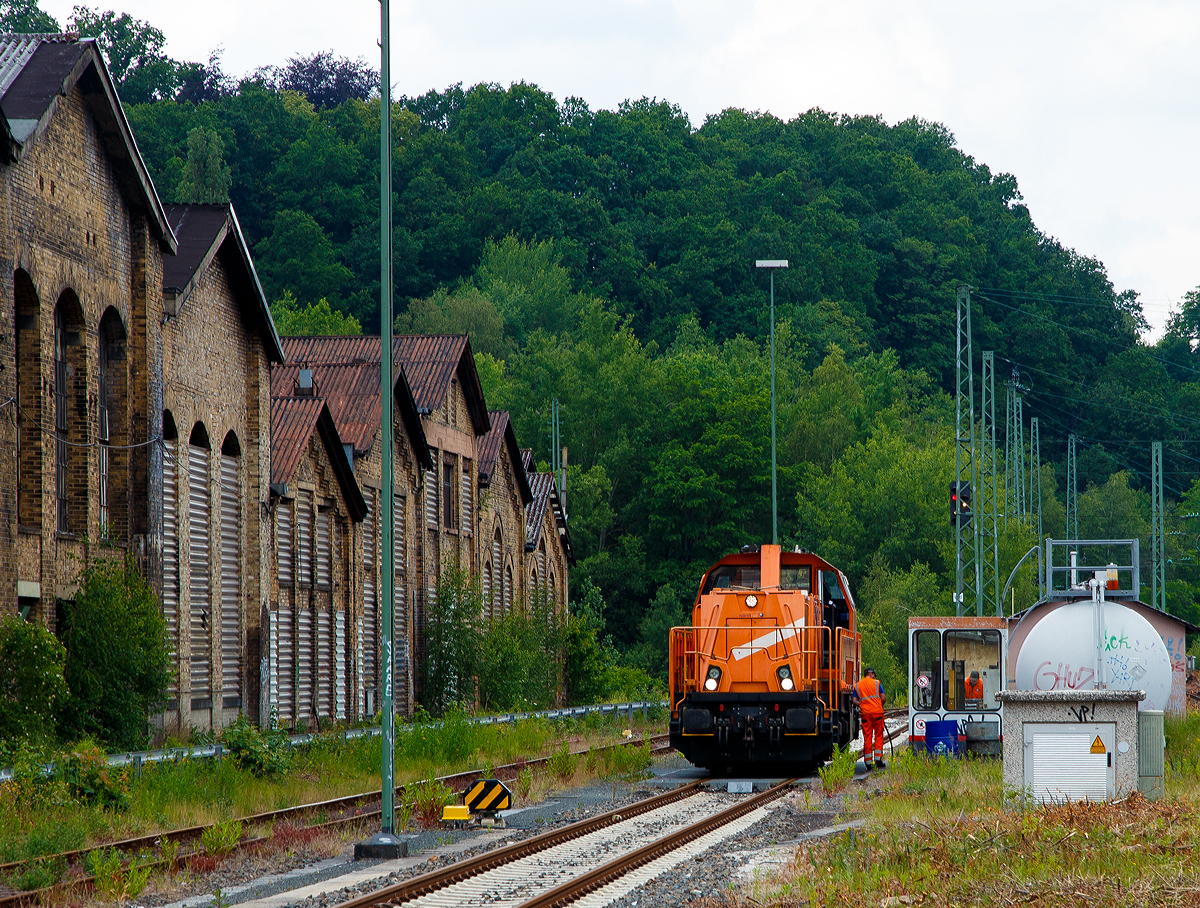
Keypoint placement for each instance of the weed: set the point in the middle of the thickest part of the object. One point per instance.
(38, 874)
(115, 881)
(168, 850)
(591, 761)
(404, 812)
(427, 799)
(221, 838)
(262, 755)
(563, 763)
(524, 783)
(838, 771)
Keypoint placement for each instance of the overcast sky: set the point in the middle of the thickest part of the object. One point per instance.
(1091, 105)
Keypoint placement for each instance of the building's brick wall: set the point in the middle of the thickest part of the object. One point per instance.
(503, 515)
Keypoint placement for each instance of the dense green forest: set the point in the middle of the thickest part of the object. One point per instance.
(605, 258)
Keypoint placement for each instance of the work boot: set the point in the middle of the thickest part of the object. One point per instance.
(867, 765)
(879, 764)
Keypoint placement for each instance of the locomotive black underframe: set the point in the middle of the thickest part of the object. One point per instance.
(758, 729)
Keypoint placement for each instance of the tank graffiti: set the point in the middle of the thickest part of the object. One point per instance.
(1045, 678)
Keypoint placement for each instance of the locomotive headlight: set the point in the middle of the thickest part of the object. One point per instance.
(713, 681)
(751, 601)
(785, 678)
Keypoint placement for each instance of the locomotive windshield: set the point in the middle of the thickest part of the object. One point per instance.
(734, 577)
(795, 577)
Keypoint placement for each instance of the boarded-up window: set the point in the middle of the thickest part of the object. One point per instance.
(508, 583)
(170, 569)
(61, 451)
(324, 547)
(283, 544)
(497, 564)
(468, 510)
(324, 664)
(304, 536)
(273, 661)
(304, 668)
(487, 588)
(287, 666)
(231, 584)
(399, 545)
(200, 587)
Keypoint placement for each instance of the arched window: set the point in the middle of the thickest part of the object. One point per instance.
(231, 573)
(170, 568)
(508, 584)
(487, 589)
(70, 402)
(27, 319)
(200, 563)
(497, 561)
(111, 411)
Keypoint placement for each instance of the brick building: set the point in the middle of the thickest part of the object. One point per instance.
(83, 235)
(503, 496)
(351, 387)
(309, 639)
(548, 554)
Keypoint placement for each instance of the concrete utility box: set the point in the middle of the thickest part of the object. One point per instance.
(1071, 745)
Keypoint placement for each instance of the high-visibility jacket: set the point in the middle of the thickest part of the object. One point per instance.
(975, 689)
(870, 696)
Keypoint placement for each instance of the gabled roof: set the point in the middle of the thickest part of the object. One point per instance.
(501, 434)
(35, 71)
(352, 390)
(545, 497)
(430, 361)
(203, 233)
(293, 421)
(527, 459)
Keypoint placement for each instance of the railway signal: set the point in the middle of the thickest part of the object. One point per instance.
(960, 503)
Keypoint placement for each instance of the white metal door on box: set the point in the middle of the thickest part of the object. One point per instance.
(1070, 761)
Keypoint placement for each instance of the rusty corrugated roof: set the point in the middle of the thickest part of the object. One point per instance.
(545, 497)
(527, 460)
(500, 434)
(352, 390)
(293, 421)
(430, 361)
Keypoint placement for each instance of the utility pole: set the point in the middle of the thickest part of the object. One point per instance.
(987, 526)
(1035, 474)
(385, 845)
(1072, 492)
(1158, 536)
(966, 567)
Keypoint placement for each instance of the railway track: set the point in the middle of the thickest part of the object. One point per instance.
(560, 866)
(357, 808)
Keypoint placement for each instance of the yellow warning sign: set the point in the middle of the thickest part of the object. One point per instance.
(488, 794)
(1098, 746)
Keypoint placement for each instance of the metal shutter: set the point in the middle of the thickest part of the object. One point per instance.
(304, 669)
(399, 548)
(431, 495)
(507, 589)
(231, 584)
(487, 588)
(273, 662)
(497, 567)
(1060, 765)
(324, 665)
(339, 665)
(283, 544)
(360, 693)
(304, 540)
(287, 665)
(324, 547)
(200, 587)
(541, 564)
(170, 568)
(368, 628)
(468, 516)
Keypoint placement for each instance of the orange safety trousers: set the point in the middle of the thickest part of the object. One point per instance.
(872, 727)
(870, 708)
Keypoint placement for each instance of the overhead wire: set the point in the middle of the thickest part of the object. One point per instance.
(12, 402)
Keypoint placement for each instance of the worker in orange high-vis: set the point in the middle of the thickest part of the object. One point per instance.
(974, 687)
(868, 694)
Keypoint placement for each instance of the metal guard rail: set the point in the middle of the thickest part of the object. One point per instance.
(211, 751)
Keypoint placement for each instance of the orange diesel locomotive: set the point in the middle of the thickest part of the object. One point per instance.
(762, 678)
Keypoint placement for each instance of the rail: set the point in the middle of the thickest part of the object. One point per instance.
(217, 751)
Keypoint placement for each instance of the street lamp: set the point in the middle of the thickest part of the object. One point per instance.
(772, 265)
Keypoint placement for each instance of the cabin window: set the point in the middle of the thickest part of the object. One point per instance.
(734, 577)
(795, 577)
(927, 669)
(968, 652)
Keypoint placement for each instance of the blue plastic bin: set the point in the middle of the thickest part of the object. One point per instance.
(941, 738)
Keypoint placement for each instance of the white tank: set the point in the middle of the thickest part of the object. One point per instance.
(1060, 653)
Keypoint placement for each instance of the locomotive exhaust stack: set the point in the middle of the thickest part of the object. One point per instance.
(761, 680)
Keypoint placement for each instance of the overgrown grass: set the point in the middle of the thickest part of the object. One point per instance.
(944, 831)
(37, 819)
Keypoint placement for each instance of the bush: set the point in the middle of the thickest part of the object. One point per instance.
(31, 680)
(251, 750)
(118, 663)
(451, 642)
(521, 657)
(90, 779)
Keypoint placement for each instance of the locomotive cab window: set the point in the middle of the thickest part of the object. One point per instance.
(734, 577)
(795, 577)
(927, 669)
(836, 612)
(972, 675)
